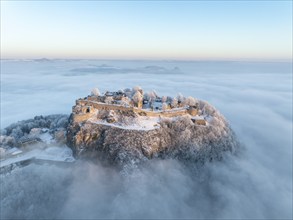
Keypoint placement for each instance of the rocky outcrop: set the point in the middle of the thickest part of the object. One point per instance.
(112, 144)
(178, 137)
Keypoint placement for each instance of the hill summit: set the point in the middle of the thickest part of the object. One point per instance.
(130, 126)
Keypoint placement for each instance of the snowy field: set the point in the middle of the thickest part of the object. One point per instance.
(255, 97)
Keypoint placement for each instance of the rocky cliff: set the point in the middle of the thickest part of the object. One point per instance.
(176, 137)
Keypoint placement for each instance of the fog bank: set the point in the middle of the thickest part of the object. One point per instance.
(256, 98)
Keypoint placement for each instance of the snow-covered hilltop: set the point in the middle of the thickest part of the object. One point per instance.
(122, 128)
(129, 126)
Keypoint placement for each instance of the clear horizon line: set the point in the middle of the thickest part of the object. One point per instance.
(164, 59)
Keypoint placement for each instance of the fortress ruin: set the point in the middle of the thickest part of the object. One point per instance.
(136, 102)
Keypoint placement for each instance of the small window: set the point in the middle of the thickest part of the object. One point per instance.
(88, 110)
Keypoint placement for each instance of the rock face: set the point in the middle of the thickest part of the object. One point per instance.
(112, 144)
(180, 137)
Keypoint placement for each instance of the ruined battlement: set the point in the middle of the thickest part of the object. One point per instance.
(87, 108)
(133, 103)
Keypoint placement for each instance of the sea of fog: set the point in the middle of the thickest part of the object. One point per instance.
(255, 97)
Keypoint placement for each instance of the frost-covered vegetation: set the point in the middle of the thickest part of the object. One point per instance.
(42, 138)
(11, 135)
(137, 97)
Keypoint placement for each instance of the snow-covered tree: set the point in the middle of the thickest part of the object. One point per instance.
(174, 103)
(164, 99)
(109, 100)
(137, 89)
(209, 110)
(152, 96)
(17, 132)
(181, 100)
(206, 108)
(190, 101)
(95, 92)
(146, 96)
(164, 106)
(180, 97)
(128, 92)
(137, 98)
(169, 99)
(125, 102)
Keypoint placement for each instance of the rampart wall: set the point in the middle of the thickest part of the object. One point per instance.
(81, 117)
(108, 107)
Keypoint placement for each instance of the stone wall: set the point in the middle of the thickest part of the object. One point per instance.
(81, 117)
(108, 107)
(162, 114)
(103, 106)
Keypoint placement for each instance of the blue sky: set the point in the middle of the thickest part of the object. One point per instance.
(147, 30)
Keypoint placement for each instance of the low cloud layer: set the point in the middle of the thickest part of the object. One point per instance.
(161, 189)
(255, 97)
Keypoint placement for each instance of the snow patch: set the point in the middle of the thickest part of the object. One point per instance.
(141, 123)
